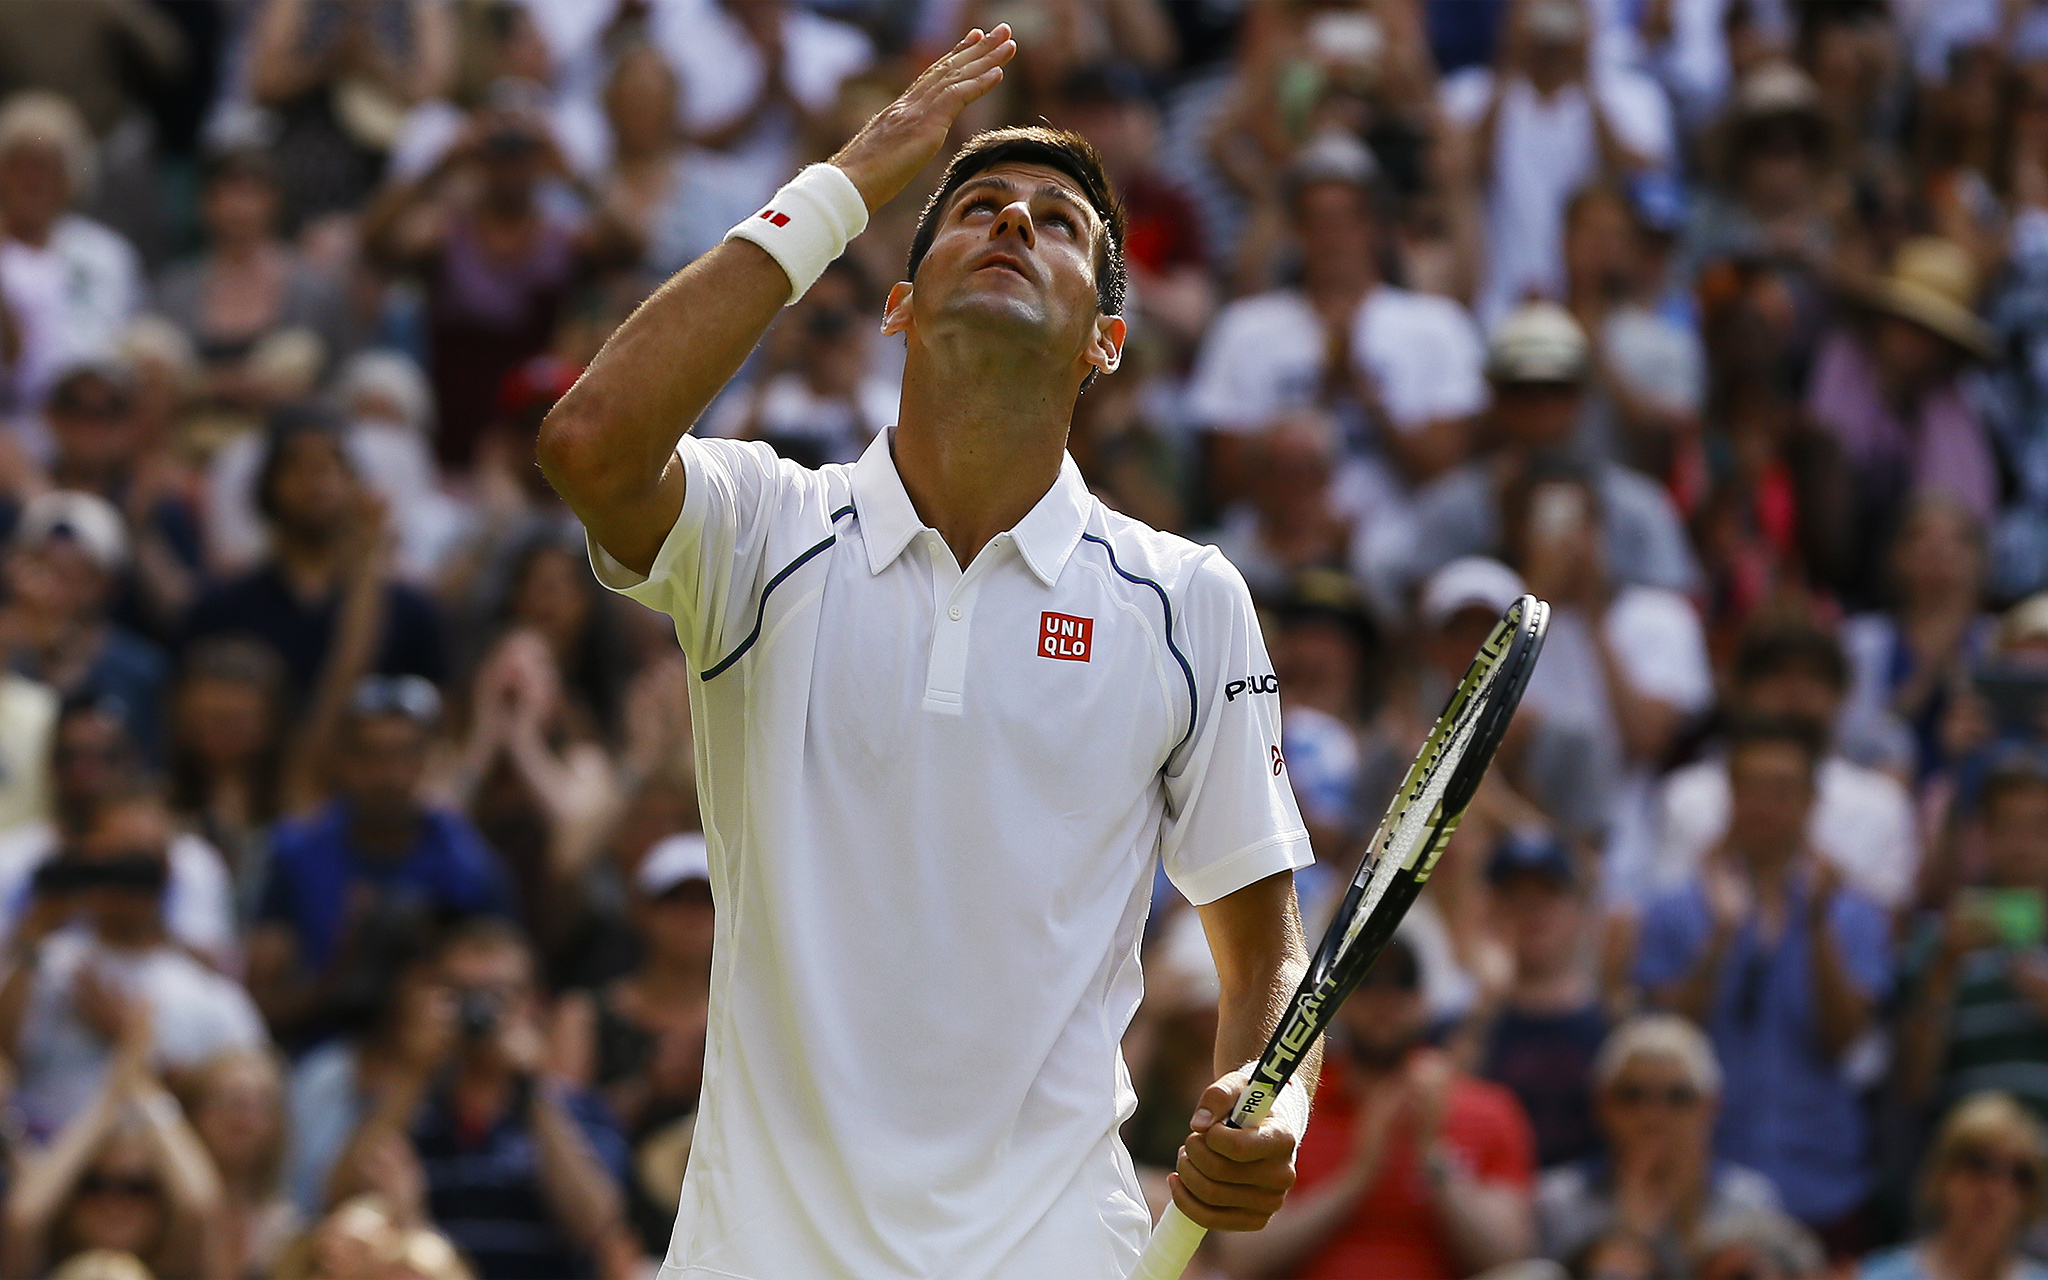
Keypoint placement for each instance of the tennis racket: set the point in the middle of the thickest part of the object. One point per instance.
(1402, 853)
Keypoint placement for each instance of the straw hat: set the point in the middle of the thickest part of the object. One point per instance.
(1933, 283)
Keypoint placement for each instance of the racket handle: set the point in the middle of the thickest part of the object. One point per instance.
(1173, 1242)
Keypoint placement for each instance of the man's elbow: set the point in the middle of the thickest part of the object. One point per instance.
(570, 451)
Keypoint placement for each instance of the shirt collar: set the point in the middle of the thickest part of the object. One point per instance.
(1046, 535)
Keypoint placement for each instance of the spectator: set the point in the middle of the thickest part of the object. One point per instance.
(1889, 387)
(522, 1171)
(1546, 118)
(1774, 175)
(822, 395)
(249, 284)
(677, 200)
(226, 752)
(94, 760)
(28, 714)
(1979, 1014)
(1400, 370)
(1760, 1245)
(1624, 668)
(68, 283)
(58, 1004)
(1863, 821)
(1658, 1088)
(126, 1175)
(1907, 659)
(236, 1106)
(1784, 968)
(496, 262)
(1539, 363)
(1542, 1039)
(326, 531)
(642, 1036)
(1291, 519)
(1981, 1191)
(375, 857)
(1411, 1168)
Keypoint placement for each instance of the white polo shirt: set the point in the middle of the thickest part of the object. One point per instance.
(934, 801)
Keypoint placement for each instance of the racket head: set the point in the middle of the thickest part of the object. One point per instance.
(1419, 822)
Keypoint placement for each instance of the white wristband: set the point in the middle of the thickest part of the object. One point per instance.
(807, 224)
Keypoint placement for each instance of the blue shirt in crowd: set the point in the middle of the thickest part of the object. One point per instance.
(315, 871)
(1787, 1109)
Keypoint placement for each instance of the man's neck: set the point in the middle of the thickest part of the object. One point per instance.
(1340, 291)
(979, 442)
(309, 566)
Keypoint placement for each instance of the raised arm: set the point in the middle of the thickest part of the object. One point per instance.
(608, 446)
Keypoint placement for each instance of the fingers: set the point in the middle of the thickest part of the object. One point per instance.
(1249, 1146)
(1221, 1206)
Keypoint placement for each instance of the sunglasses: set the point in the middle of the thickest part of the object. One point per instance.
(1677, 1097)
(107, 1184)
(1983, 1164)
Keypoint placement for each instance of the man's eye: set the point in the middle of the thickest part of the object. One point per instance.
(979, 205)
(1061, 220)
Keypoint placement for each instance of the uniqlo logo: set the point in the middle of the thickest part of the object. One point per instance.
(779, 219)
(1067, 638)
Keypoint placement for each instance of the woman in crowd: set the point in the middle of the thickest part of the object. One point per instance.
(236, 1105)
(1981, 1190)
(227, 728)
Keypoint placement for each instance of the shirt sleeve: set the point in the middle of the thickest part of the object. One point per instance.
(1669, 940)
(1230, 812)
(1497, 1142)
(704, 574)
(1863, 934)
(1662, 647)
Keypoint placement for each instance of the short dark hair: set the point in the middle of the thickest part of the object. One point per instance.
(1060, 149)
(286, 425)
(1793, 731)
(1777, 648)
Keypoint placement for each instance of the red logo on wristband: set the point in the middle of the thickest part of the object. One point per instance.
(779, 219)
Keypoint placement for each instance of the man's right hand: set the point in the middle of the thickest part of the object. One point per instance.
(904, 136)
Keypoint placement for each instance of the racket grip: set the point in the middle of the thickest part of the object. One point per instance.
(1173, 1242)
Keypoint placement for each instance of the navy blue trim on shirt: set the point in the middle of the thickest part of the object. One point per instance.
(761, 610)
(1167, 607)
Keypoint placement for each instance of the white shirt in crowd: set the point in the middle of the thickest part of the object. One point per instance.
(1862, 822)
(935, 801)
(28, 715)
(199, 895)
(1264, 357)
(1544, 151)
(195, 1013)
(70, 299)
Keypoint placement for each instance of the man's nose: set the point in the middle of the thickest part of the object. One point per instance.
(1015, 217)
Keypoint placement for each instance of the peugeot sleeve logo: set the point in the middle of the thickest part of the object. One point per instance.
(1251, 685)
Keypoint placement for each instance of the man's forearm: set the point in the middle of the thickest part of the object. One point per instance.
(1487, 1224)
(581, 1192)
(1843, 1010)
(606, 445)
(1693, 995)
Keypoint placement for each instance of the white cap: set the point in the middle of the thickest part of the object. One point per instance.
(87, 519)
(674, 860)
(1469, 582)
(1538, 342)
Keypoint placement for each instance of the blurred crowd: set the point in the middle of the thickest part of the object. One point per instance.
(355, 907)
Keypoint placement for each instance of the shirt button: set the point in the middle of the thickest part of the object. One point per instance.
(954, 613)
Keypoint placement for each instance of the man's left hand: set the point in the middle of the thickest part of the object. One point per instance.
(1234, 1179)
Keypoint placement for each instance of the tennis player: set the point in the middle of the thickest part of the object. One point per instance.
(951, 714)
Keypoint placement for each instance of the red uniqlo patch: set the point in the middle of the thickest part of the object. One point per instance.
(779, 219)
(1064, 637)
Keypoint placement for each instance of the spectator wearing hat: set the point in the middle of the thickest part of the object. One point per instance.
(1656, 1090)
(378, 856)
(1889, 386)
(327, 565)
(62, 566)
(1772, 162)
(1539, 363)
(1399, 371)
(57, 1004)
(640, 1038)
(91, 759)
(1411, 1167)
(1540, 1039)
(1291, 517)
(1546, 118)
(1982, 1190)
(1783, 967)
(1978, 1017)
(68, 282)
(1863, 821)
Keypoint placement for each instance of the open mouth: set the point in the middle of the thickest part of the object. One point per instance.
(1006, 264)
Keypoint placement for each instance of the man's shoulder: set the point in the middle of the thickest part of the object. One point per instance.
(314, 835)
(81, 238)
(1186, 573)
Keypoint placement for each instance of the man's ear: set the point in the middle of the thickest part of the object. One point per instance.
(1106, 350)
(896, 314)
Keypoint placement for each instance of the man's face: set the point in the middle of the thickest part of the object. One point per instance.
(1536, 415)
(1651, 1107)
(1014, 254)
(1770, 786)
(381, 767)
(92, 425)
(239, 207)
(494, 977)
(137, 832)
(55, 579)
(1384, 1018)
(33, 187)
(1795, 693)
(1334, 225)
(91, 753)
(1542, 919)
(313, 487)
